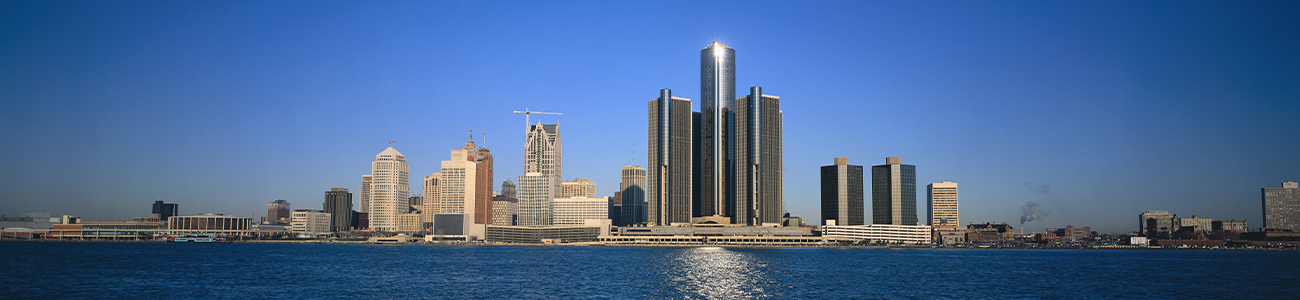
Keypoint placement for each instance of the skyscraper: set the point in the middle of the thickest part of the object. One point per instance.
(580, 187)
(942, 199)
(544, 153)
(1282, 206)
(432, 198)
(338, 203)
(668, 186)
(278, 212)
(389, 189)
(508, 189)
(165, 210)
(893, 193)
(482, 159)
(717, 159)
(458, 183)
(842, 193)
(536, 198)
(758, 191)
(365, 193)
(632, 194)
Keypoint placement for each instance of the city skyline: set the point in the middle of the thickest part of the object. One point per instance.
(1097, 119)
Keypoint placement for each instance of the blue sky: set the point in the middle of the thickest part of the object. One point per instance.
(1097, 110)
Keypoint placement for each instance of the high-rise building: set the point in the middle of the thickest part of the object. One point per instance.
(893, 193)
(416, 202)
(1282, 206)
(508, 189)
(576, 210)
(943, 204)
(389, 189)
(758, 160)
(165, 210)
(668, 177)
(504, 210)
(458, 183)
(432, 198)
(580, 187)
(365, 193)
(632, 195)
(717, 159)
(338, 203)
(842, 194)
(536, 198)
(310, 221)
(482, 183)
(1155, 223)
(543, 152)
(278, 212)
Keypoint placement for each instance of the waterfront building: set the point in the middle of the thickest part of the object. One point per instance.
(365, 193)
(107, 230)
(942, 199)
(1070, 233)
(504, 209)
(32, 220)
(718, 148)
(542, 234)
(880, 233)
(482, 183)
(580, 187)
(310, 221)
(990, 233)
(631, 194)
(536, 196)
(758, 160)
(165, 210)
(1231, 225)
(1154, 223)
(410, 222)
(361, 220)
(893, 193)
(841, 193)
(508, 189)
(389, 189)
(278, 212)
(948, 235)
(577, 210)
(1282, 206)
(669, 184)
(209, 223)
(338, 203)
(1196, 224)
(458, 183)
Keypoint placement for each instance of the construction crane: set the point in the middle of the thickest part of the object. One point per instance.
(526, 112)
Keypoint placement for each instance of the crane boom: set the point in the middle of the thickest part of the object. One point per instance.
(526, 112)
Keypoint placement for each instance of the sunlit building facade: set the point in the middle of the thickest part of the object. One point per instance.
(668, 177)
(942, 199)
(389, 189)
(893, 193)
(841, 193)
(1282, 206)
(758, 194)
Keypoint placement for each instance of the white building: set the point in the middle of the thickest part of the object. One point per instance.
(365, 193)
(389, 190)
(458, 184)
(880, 233)
(536, 195)
(310, 221)
(580, 187)
(543, 152)
(943, 204)
(410, 222)
(432, 197)
(577, 210)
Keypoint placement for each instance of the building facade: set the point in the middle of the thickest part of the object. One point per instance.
(893, 193)
(577, 210)
(758, 190)
(544, 152)
(508, 189)
(458, 183)
(1282, 206)
(841, 193)
(668, 178)
(338, 204)
(881, 233)
(165, 210)
(580, 187)
(432, 198)
(389, 189)
(410, 222)
(310, 221)
(1156, 222)
(942, 199)
(365, 193)
(631, 192)
(504, 210)
(209, 223)
(278, 212)
(536, 196)
(1196, 224)
(717, 114)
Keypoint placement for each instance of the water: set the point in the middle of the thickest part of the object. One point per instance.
(286, 271)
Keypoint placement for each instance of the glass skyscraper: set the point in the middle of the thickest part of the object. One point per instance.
(668, 176)
(893, 193)
(717, 147)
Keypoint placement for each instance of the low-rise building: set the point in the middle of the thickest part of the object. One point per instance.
(310, 221)
(1230, 225)
(1196, 224)
(554, 234)
(990, 233)
(948, 235)
(1070, 233)
(880, 233)
(107, 230)
(576, 210)
(504, 209)
(209, 223)
(410, 222)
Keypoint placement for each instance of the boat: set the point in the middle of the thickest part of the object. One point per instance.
(198, 238)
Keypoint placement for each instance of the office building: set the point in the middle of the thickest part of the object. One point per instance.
(544, 153)
(758, 166)
(504, 210)
(416, 203)
(278, 212)
(536, 197)
(580, 187)
(616, 209)
(668, 187)
(1282, 206)
(361, 221)
(508, 189)
(208, 223)
(542, 234)
(458, 185)
(577, 210)
(1196, 224)
(389, 189)
(338, 203)
(631, 194)
(365, 193)
(432, 198)
(410, 222)
(718, 148)
(310, 221)
(842, 195)
(880, 233)
(990, 233)
(893, 193)
(942, 199)
(1154, 223)
(1230, 225)
(165, 210)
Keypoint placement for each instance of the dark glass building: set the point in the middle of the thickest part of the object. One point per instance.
(758, 186)
(338, 203)
(165, 210)
(893, 193)
(718, 145)
(668, 176)
(842, 193)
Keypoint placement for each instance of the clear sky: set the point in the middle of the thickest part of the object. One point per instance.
(1097, 110)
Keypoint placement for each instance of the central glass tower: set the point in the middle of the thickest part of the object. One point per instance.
(717, 148)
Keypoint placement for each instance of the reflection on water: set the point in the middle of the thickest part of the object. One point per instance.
(718, 273)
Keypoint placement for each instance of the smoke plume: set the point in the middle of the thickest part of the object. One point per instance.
(1030, 212)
